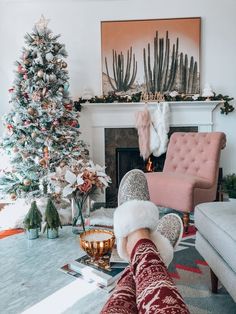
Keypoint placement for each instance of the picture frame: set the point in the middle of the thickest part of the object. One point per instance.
(151, 56)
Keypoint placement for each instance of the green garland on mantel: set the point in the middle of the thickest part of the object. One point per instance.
(113, 97)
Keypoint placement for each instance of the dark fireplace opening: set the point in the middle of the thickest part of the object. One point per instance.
(122, 154)
(128, 158)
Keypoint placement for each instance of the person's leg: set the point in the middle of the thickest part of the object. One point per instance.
(123, 299)
(155, 290)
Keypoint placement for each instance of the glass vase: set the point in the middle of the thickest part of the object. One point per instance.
(80, 214)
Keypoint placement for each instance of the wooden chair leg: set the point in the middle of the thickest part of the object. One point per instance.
(186, 221)
(214, 282)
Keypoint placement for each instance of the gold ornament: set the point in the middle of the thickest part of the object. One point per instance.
(15, 149)
(26, 182)
(33, 134)
(40, 73)
(13, 196)
(64, 64)
(31, 111)
(62, 164)
(26, 61)
(43, 163)
(46, 152)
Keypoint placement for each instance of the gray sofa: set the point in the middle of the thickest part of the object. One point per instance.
(216, 242)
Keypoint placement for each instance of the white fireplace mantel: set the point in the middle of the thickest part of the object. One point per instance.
(95, 117)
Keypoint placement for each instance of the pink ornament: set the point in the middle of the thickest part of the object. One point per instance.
(68, 106)
(74, 123)
(9, 127)
(27, 122)
(25, 76)
(20, 69)
(55, 122)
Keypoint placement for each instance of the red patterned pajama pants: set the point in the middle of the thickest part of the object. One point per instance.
(145, 286)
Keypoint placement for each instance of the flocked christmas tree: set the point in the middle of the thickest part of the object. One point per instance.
(42, 126)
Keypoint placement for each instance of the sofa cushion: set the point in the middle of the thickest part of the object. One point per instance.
(216, 222)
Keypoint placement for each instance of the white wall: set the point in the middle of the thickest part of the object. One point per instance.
(79, 24)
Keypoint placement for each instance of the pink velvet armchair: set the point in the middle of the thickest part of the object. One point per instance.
(190, 172)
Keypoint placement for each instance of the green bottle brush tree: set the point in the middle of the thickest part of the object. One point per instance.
(33, 219)
(52, 219)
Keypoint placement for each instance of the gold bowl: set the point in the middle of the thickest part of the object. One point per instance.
(97, 242)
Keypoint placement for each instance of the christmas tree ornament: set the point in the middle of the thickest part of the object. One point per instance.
(74, 123)
(62, 164)
(68, 106)
(26, 95)
(25, 76)
(26, 61)
(33, 135)
(44, 91)
(9, 127)
(15, 149)
(36, 96)
(31, 111)
(55, 122)
(13, 196)
(52, 77)
(27, 123)
(63, 64)
(27, 182)
(49, 56)
(40, 73)
(61, 89)
(46, 152)
(21, 69)
(43, 162)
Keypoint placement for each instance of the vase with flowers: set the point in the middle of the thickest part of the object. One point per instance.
(80, 180)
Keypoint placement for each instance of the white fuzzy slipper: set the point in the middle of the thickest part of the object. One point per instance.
(133, 215)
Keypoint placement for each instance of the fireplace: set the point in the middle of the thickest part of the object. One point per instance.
(96, 118)
(122, 154)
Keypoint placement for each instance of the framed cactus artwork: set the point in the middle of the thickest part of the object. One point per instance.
(151, 56)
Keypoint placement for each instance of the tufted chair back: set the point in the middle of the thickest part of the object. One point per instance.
(195, 154)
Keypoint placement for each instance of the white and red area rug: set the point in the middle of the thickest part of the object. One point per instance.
(192, 277)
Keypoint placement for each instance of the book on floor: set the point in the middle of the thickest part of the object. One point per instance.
(90, 271)
(66, 269)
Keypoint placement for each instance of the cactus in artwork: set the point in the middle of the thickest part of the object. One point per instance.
(187, 77)
(124, 77)
(161, 76)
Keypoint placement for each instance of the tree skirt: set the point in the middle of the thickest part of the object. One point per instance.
(12, 216)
